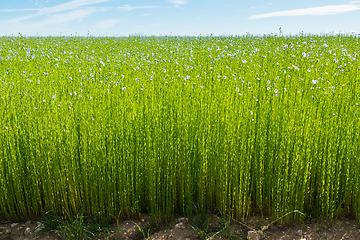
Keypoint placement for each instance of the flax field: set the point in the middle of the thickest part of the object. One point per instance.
(240, 125)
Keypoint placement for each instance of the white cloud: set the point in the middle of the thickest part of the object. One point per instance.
(315, 11)
(145, 15)
(59, 8)
(56, 19)
(177, 2)
(355, 2)
(53, 18)
(71, 5)
(19, 10)
(129, 8)
(108, 23)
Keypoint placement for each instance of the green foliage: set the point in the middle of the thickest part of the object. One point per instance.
(51, 221)
(236, 124)
(201, 222)
(74, 228)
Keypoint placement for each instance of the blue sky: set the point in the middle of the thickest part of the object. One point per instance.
(176, 17)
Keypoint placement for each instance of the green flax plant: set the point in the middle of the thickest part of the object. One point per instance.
(237, 124)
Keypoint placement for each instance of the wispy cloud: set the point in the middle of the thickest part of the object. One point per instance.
(177, 3)
(56, 19)
(60, 8)
(108, 23)
(19, 10)
(61, 15)
(70, 5)
(355, 2)
(130, 8)
(315, 11)
(52, 18)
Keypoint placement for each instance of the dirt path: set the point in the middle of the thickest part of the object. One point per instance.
(210, 227)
